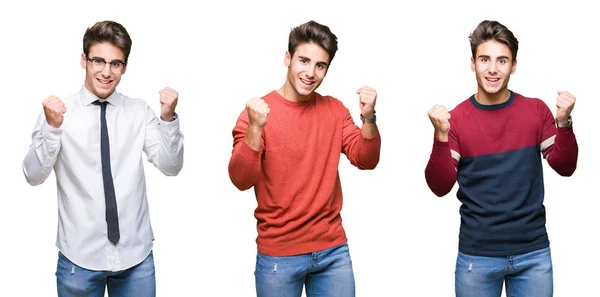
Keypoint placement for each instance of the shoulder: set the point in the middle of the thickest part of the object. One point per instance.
(531, 103)
(462, 109)
(327, 100)
(133, 102)
(270, 96)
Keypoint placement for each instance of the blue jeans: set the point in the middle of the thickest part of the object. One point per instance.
(325, 273)
(528, 274)
(137, 281)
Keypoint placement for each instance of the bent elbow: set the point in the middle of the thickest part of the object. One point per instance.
(33, 180)
(567, 173)
(241, 186)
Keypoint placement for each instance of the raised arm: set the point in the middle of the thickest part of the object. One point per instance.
(164, 141)
(45, 142)
(559, 145)
(362, 146)
(248, 144)
(440, 172)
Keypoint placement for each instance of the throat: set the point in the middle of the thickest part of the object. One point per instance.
(485, 98)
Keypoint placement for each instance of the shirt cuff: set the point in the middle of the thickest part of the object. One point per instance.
(172, 126)
(50, 132)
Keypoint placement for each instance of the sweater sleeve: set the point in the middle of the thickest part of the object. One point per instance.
(362, 153)
(440, 172)
(245, 162)
(559, 145)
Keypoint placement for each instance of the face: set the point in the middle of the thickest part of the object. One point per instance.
(493, 65)
(306, 70)
(103, 73)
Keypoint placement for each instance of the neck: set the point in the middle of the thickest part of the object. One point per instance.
(288, 92)
(486, 98)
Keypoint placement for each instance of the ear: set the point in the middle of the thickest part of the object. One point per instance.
(287, 61)
(514, 67)
(472, 64)
(83, 60)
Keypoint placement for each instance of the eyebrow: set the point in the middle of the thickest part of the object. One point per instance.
(318, 63)
(100, 58)
(499, 57)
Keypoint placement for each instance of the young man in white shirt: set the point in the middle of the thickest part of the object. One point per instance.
(94, 141)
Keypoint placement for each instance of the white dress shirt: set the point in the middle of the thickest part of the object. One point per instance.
(73, 150)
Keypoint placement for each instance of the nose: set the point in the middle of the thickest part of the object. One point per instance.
(106, 70)
(493, 68)
(310, 72)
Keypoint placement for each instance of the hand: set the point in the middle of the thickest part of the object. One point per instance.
(168, 102)
(258, 110)
(367, 97)
(440, 118)
(564, 106)
(54, 110)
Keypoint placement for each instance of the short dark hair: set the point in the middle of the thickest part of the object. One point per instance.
(316, 33)
(493, 30)
(107, 31)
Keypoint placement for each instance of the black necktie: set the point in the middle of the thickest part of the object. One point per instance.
(112, 218)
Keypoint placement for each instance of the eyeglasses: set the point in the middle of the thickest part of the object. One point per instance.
(98, 64)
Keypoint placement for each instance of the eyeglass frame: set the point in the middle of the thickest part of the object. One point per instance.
(103, 63)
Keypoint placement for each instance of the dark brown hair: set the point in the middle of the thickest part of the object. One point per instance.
(316, 33)
(107, 31)
(493, 30)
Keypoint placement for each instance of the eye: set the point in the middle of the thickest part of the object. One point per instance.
(98, 61)
(303, 61)
(484, 60)
(502, 61)
(117, 64)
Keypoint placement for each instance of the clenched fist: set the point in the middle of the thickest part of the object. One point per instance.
(367, 98)
(54, 110)
(440, 118)
(258, 110)
(168, 102)
(564, 106)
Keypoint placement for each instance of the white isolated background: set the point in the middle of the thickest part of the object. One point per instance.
(218, 54)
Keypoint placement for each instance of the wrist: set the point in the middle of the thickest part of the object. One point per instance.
(255, 128)
(440, 136)
(563, 122)
(168, 117)
(369, 117)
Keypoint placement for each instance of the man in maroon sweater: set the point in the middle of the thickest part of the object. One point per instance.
(292, 163)
(493, 144)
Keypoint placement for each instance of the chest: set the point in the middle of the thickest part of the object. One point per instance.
(493, 132)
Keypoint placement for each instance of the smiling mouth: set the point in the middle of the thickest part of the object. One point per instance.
(104, 81)
(492, 80)
(308, 83)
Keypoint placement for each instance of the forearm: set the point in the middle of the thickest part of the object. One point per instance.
(164, 145)
(563, 154)
(244, 165)
(252, 137)
(42, 154)
(440, 172)
(366, 152)
(170, 158)
(369, 130)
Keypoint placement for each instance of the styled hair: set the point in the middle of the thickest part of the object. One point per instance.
(107, 31)
(493, 30)
(313, 32)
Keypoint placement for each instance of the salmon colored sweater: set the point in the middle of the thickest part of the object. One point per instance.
(295, 172)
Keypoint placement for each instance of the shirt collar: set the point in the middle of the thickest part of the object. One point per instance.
(87, 97)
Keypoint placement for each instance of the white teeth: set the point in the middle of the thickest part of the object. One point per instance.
(306, 82)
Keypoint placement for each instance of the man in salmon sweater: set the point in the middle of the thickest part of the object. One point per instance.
(493, 144)
(287, 145)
